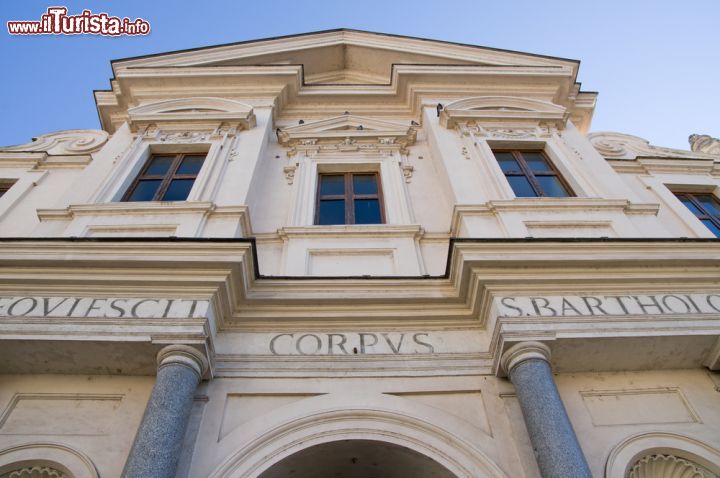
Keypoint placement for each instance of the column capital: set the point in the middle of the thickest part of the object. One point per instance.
(523, 351)
(183, 355)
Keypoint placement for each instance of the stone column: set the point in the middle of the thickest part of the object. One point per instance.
(556, 447)
(158, 442)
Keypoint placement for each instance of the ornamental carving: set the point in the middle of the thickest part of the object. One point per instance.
(486, 132)
(667, 466)
(35, 472)
(185, 137)
(289, 172)
(346, 133)
(625, 146)
(704, 143)
(66, 143)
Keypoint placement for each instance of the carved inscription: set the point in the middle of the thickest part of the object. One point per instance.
(593, 305)
(115, 307)
(363, 343)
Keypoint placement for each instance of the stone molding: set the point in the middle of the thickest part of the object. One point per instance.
(502, 111)
(36, 471)
(346, 133)
(200, 112)
(626, 455)
(398, 91)
(183, 355)
(67, 143)
(54, 456)
(625, 146)
(666, 466)
(252, 449)
(549, 205)
(523, 351)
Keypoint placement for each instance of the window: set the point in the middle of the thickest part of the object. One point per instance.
(705, 207)
(5, 186)
(166, 178)
(531, 174)
(349, 198)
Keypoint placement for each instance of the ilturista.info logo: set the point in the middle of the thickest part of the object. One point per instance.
(56, 21)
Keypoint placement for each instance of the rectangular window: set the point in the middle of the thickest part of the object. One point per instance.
(705, 207)
(531, 174)
(349, 198)
(166, 177)
(5, 186)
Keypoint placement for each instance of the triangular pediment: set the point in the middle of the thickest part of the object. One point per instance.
(343, 56)
(346, 126)
(320, 74)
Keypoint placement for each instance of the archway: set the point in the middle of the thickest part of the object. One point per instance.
(357, 459)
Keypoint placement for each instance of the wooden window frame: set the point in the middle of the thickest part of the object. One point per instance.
(166, 178)
(691, 196)
(529, 174)
(349, 197)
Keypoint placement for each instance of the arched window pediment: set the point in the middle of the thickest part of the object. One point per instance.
(503, 110)
(207, 112)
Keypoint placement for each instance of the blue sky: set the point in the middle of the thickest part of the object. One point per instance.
(656, 64)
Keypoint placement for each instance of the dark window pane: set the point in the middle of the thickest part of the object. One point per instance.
(521, 186)
(159, 165)
(712, 227)
(689, 204)
(507, 163)
(179, 190)
(551, 186)
(709, 204)
(367, 211)
(190, 165)
(364, 184)
(145, 190)
(536, 162)
(332, 185)
(332, 212)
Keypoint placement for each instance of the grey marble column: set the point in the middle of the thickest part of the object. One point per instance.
(556, 447)
(158, 442)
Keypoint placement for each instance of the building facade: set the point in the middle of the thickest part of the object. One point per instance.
(350, 254)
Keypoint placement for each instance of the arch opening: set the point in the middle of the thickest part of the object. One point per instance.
(357, 459)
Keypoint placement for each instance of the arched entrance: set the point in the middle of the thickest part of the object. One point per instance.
(385, 422)
(357, 459)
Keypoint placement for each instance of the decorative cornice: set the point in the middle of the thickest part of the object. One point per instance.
(624, 146)
(64, 143)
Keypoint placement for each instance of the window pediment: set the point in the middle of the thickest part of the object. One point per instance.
(205, 112)
(349, 132)
(501, 110)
